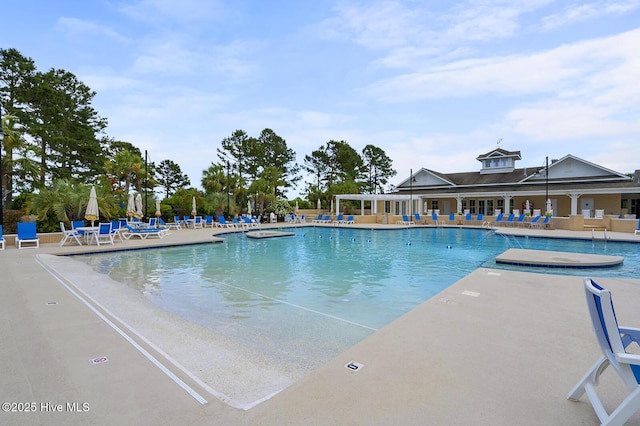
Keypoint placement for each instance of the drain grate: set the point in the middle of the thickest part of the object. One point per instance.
(354, 366)
(99, 360)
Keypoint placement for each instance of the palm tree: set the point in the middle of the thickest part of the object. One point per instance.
(67, 201)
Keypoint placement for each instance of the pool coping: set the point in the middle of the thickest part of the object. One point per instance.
(497, 347)
(556, 259)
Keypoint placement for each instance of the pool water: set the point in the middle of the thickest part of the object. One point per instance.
(304, 299)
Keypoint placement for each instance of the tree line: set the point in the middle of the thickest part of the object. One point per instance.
(55, 140)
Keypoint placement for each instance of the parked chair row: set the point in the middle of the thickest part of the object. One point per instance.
(322, 219)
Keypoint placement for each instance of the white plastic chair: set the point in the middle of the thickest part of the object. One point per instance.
(103, 235)
(68, 234)
(613, 341)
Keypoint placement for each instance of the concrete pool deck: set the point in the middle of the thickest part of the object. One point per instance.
(497, 347)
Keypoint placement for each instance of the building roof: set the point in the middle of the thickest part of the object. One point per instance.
(566, 172)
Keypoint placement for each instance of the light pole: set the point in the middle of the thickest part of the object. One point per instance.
(546, 187)
(1, 174)
(410, 193)
(146, 182)
(228, 189)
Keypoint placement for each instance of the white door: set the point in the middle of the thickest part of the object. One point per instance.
(586, 204)
(446, 207)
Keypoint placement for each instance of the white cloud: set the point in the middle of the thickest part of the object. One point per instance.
(80, 29)
(185, 11)
(562, 70)
(584, 12)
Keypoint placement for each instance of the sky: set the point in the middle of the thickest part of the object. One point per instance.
(434, 84)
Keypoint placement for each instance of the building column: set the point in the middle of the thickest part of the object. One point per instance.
(507, 204)
(574, 203)
(362, 207)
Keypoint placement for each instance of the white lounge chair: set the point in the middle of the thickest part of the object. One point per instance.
(613, 341)
(1, 239)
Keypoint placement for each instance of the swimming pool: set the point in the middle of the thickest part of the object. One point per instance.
(304, 299)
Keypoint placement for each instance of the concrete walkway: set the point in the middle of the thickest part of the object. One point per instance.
(497, 347)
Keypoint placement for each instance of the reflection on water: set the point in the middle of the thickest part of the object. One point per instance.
(304, 299)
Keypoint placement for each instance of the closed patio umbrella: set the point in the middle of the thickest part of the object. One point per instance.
(158, 213)
(139, 213)
(131, 207)
(92, 213)
(193, 207)
(319, 205)
(548, 206)
(249, 207)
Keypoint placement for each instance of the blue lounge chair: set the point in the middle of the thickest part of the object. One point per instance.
(339, 219)
(318, 219)
(405, 221)
(534, 221)
(637, 231)
(250, 222)
(208, 222)
(326, 219)
(468, 217)
(69, 234)
(169, 225)
(237, 224)
(509, 219)
(141, 233)
(452, 217)
(539, 223)
(1, 239)
(613, 341)
(520, 219)
(488, 224)
(27, 234)
(222, 223)
(349, 220)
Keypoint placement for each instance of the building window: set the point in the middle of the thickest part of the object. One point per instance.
(489, 208)
(387, 206)
(472, 206)
(434, 205)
